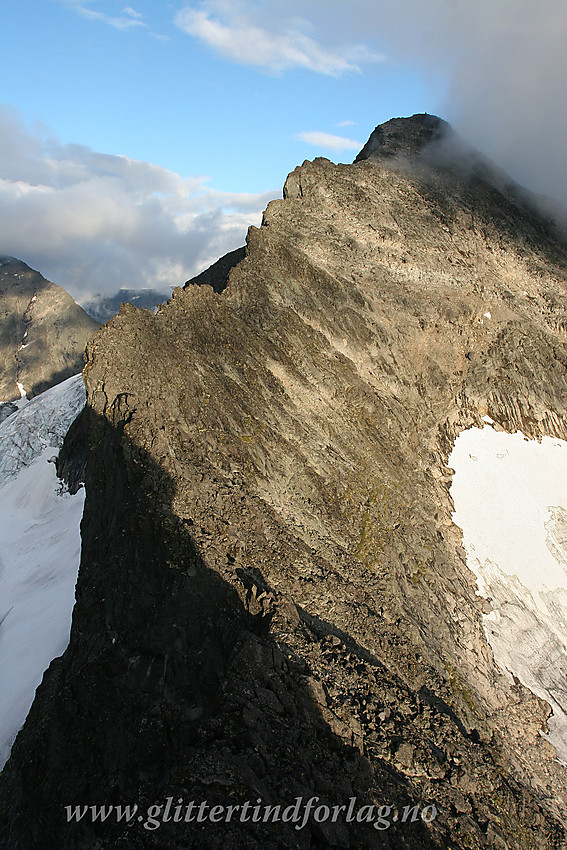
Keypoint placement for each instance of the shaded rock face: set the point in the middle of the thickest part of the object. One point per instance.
(273, 601)
(404, 137)
(43, 332)
(217, 274)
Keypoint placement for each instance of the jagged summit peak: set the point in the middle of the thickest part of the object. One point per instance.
(405, 136)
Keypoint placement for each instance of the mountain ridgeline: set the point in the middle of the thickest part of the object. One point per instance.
(273, 601)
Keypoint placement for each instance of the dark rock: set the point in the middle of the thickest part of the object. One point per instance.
(217, 274)
(404, 136)
(71, 462)
(6, 410)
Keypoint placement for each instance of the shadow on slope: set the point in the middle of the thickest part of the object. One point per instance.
(174, 685)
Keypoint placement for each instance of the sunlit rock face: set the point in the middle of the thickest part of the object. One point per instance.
(273, 599)
(510, 497)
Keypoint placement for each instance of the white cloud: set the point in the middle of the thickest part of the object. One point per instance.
(344, 124)
(235, 33)
(127, 20)
(119, 23)
(329, 141)
(505, 64)
(128, 10)
(96, 222)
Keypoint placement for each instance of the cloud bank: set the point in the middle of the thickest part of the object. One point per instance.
(503, 66)
(94, 222)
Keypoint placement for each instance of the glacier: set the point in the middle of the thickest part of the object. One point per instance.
(39, 424)
(510, 500)
(40, 547)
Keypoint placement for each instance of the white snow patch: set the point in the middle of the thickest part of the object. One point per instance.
(488, 315)
(39, 559)
(21, 390)
(510, 497)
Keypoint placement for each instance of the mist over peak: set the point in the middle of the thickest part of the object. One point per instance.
(427, 145)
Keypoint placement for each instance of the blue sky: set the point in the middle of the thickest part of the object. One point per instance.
(153, 92)
(137, 142)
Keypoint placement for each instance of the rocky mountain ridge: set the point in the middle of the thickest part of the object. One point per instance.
(273, 600)
(43, 332)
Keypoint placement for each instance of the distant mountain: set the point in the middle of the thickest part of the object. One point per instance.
(43, 332)
(102, 307)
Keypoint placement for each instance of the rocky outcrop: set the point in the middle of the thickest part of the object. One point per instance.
(273, 601)
(43, 332)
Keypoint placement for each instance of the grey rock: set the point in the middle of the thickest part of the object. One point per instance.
(217, 274)
(6, 410)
